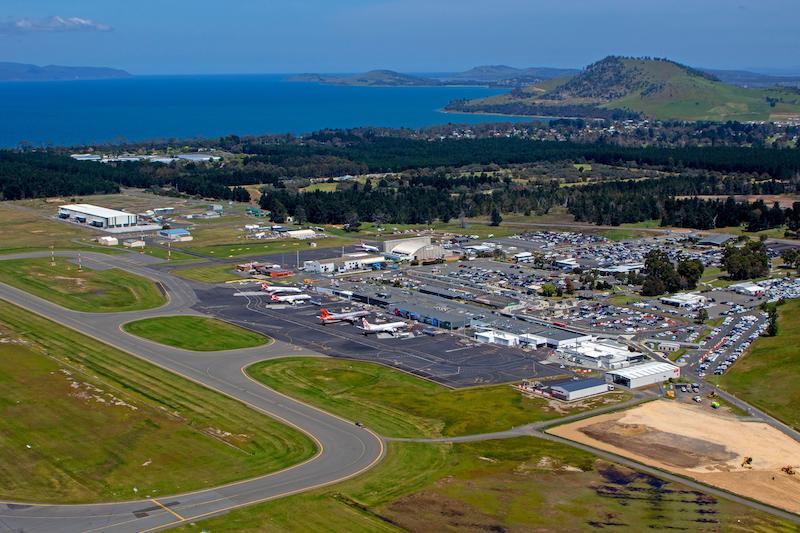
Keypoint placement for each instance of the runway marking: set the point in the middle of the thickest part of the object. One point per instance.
(173, 513)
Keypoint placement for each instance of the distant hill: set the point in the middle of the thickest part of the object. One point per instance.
(495, 75)
(371, 78)
(24, 72)
(621, 87)
(753, 79)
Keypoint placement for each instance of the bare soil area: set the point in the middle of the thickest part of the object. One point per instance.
(709, 446)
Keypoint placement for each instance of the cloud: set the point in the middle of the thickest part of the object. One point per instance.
(53, 24)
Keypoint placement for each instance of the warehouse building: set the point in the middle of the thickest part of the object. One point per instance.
(98, 217)
(345, 263)
(415, 249)
(604, 353)
(577, 389)
(684, 299)
(643, 375)
(175, 235)
(748, 288)
(715, 239)
(301, 234)
(502, 338)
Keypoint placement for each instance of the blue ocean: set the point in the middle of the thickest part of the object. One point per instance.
(161, 107)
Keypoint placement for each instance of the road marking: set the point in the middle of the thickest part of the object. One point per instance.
(173, 513)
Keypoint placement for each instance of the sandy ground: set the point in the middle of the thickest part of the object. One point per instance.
(708, 446)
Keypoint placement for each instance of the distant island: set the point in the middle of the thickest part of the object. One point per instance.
(24, 72)
(491, 75)
(634, 88)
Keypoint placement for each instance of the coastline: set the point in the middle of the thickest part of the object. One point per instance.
(486, 113)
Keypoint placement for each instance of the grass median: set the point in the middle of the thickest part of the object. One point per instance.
(88, 290)
(196, 333)
(83, 422)
(397, 404)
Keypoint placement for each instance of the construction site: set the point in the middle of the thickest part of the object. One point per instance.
(746, 457)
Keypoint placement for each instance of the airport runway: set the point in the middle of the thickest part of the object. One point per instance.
(345, 450)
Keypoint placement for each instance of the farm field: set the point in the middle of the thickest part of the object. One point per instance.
(95, 291)
(709, 446)
(768, 376)
(195, 333)
(84, 422)
(400, 405)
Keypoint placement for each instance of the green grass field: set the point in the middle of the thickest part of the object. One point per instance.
(175, 256)
(400, 405)
(768, 376)
(254, 248)
(91, 290)
(521, 484)
(195, 333)
(324, 187)
(25, 230)
(100, 422)
(206, 273)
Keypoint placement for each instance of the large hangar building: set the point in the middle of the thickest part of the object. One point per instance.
(98, 217)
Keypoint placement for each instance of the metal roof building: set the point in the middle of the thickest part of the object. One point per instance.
(576, 389)
(643, 375)
(99, 217)
(715, 239)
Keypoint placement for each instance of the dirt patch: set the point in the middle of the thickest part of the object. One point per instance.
(419, 511)
(670, 448)
(701, 444)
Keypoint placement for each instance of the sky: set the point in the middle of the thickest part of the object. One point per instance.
(286, 36)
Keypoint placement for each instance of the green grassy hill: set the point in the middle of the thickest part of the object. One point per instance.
(618, 87)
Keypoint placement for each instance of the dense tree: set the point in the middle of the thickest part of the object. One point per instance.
(746, 261)
(690, 271)
(495, 218)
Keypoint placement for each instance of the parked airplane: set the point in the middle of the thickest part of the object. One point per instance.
(389, 327)
(326, 317)
(368, 247)
(274, 289)
(290, 298)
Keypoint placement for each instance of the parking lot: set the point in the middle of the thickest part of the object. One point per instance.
(447, 358)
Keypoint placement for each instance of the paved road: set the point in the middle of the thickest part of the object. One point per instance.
(344, 449)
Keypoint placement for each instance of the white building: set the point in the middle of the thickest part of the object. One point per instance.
(98, 217)
(684, 299)
(748, 288)
(347, 262)
(502, 338)
(624, 268)
(133, 243)
(569, 263)
(602, 353)
(301, 234)
(577, 389)
(414, 249)
(643, 375)
(108, 241)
